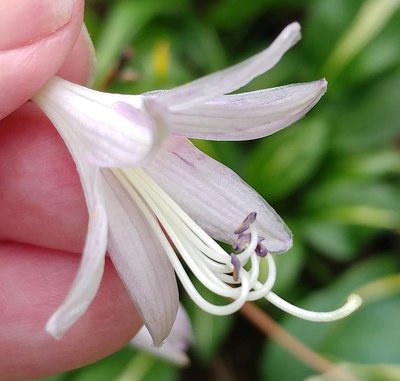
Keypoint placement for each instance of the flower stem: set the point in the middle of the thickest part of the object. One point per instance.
(315, 361)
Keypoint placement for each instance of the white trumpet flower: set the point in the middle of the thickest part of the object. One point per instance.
(157, 203)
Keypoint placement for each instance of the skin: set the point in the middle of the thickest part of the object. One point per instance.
(43, 214)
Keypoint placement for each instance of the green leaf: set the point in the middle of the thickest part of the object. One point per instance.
(288, 266)
(125, 365)
(125, 20)
(231, 14)
(368, 119)
(336, 240)
(162, 371)
(92, 23)
(283, 162)
(376, 59)
(136, 369)
(209, 330)
(369, 163)
(371, 18)
(144, 367)
(358, 202)
(203, 45)
(106, 370)
(382, 372)
(326, 21)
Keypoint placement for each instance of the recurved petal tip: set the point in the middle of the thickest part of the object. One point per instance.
(234, 77)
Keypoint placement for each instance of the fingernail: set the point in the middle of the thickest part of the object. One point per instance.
(24, 22)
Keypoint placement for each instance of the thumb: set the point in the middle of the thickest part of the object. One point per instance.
(36, 36)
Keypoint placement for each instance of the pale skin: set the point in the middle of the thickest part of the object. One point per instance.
(43, 215)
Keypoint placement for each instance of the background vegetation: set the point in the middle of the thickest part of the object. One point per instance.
(334, 176)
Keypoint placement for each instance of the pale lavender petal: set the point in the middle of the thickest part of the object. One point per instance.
(140, 261)
(213, 195)
(110, 135)
(88, 278)
(249, 115)
(232, 78)
(175, 345)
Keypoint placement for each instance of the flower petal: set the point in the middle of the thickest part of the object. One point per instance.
(140, 261)
(213, 195)
(249, 115)
(176, 344)
(88, 278)
(111, 135)
(232, 78)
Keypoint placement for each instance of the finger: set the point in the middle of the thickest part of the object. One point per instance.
(22, 136)
(26, 65)
(33, 283)
(80, 64)
(41, 198)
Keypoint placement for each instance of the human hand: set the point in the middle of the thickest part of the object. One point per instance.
(43, 215)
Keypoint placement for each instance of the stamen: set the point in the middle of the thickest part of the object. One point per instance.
(246, 223)
(261, 290)
(241, 242)
(251, 247)
(222, 273)
(236, 266)
(261, 250)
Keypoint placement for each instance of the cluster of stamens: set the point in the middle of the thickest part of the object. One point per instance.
(242, 242)
(233, 276)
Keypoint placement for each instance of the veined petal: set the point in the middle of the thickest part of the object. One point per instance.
(232, 78)
(88, 278)
(176, 344)
(213, 195)
(112, 132)
(249, 115)
(140, 261)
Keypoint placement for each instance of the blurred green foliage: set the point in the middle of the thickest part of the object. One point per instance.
(334, 176)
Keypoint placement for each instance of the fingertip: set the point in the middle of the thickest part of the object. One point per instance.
(26, 68)
(34, 282)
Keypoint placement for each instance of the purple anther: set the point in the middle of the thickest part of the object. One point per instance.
(241, 242)
(246, 223)
(236, 267)
(261, 250)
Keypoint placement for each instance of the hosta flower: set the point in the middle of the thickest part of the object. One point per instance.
(157, 204)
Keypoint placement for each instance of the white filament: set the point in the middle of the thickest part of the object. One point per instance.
(208, 262)
(353, 302)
